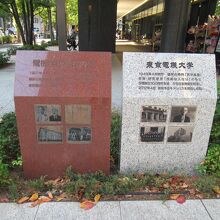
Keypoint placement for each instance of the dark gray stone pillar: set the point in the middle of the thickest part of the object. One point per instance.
(61, 23)
(176, 16)
(97, 25)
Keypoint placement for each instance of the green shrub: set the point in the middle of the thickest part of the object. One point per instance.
(9, 142)
(52, 43)
(206, 184)
(4, 175)
(12, 51)
(33, 47)
(7, 39)
(39, 184)
(211, 164)
(115, 139)
(4, 58)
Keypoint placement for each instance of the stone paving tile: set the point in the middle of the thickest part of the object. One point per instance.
(213, 207)
(170, 210)
(12, 211)
(72, 211)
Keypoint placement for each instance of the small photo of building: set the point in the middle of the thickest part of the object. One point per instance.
(152, 134)
(180, 134)
(50, 134)
(154, 113)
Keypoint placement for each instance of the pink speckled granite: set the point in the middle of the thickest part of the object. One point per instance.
(61, 79)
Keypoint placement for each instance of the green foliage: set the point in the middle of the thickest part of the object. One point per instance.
(4, 175)
(12, 50)
(72, 12)
(9, 142)
(206, 184)
(13, 191)
(39, 184)
(52, 43)
(33, 47)
(4, 58)
(211, 164)
(115, 139)
(7, 39)
(217, 11)
(98, 183)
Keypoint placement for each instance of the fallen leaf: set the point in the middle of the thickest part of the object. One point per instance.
(97, 198)
(23, 199)
(184, 186)
(200, 195)
(34, 197)
(181, 199)
(216, 189)
(174, 196)
(5, 199)
(175, 180)
(166, 185)
(50, 195)
(37, 202)
(45, 199)
(61, 197)
(192, 191)
(87, 205)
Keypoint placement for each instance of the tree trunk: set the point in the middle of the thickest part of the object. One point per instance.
(50, 23)
(25, 20)
(17, 20)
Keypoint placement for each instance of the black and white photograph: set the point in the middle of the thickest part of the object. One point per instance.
(78, 134)
(152, 134)
(48, 113)
(55, 114)
(50, 134)
(41, 113)
(154, 113)
(180, 134)
(183, 114)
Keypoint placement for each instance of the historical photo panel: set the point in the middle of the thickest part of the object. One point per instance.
(78, 114)
(48, 113)
(152, 134)
(50, 134)
(152, 113)
(180, 134)
(183, 114)
(79, 134)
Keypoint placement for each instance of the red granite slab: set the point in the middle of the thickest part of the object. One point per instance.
(78, 87)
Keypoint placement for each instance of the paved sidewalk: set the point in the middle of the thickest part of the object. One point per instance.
(124, 210)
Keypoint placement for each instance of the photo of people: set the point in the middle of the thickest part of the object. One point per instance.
(75, 134)
(48, 113)
(49, 134)
(55, 114)
(183, 114)
(152, 134)
(180, 134)
(41, 113)
(154, 113)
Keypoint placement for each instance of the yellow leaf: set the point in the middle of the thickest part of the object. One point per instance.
(174, 196)
(23, 199)
(50, 195)
(34, 197)
(216, 189)
(97, 198)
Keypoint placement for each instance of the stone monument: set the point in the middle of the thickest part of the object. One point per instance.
(63, 109)
(168, 107)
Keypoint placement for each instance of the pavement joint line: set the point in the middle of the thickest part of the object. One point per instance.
(206, 210)
(36, 212)
(120, 210)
